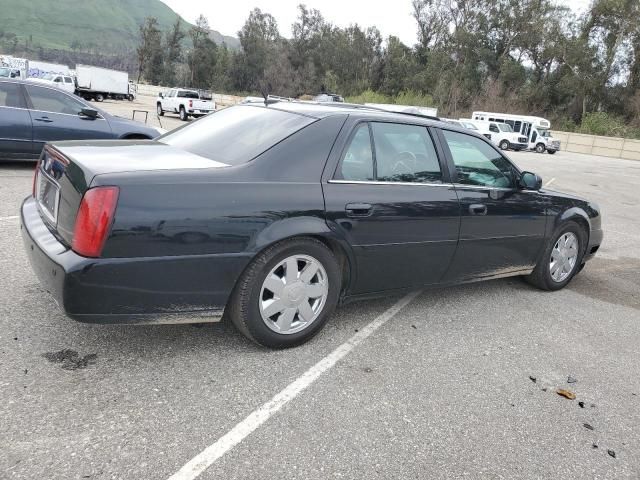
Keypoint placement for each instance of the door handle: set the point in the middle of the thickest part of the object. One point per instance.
(358, 209)
(477, 209)
(44, 119)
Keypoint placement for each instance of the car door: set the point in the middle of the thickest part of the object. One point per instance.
(56, 116)
(15, 123)
(501, 226)
(390, 199)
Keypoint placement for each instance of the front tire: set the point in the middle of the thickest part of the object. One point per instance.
(183, 114)
(540, 148)
(551, 152)
(287, 293)
(160, 110)
(504, 145)
(561, 259)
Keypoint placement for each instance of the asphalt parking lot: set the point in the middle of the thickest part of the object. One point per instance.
(443, 389)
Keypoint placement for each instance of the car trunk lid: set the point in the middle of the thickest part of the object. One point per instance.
(66, 171)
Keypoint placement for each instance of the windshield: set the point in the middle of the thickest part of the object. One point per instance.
(545, 133)
(237, 134)
(48, 76)
(5, 72)
(504, 127)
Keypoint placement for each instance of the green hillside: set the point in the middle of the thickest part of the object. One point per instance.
(111, 25)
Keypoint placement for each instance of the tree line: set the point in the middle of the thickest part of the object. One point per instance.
(520, 56)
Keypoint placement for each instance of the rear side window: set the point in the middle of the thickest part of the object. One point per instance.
(10, 95)
(405, 153)
(68, 80)
(237, 134)
(400, 153)
(357, 164)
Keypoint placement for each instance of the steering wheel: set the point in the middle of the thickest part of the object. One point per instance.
(402, 161)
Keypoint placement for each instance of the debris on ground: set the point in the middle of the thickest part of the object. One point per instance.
(587, 426)
(581, 404)
(367, 369)
(413, 326)
(533, 379)
(593, 445)
(571, 379)
(566, 393)
(70, 359)
(611, 453)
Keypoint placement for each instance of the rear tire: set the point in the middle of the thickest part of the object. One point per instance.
(99, 97)
(253, 298)
(160, 110)
(540, 148)
(504, 145)
(541, 276)
(183, 114)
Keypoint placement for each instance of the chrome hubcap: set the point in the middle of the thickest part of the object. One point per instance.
(563, 257)
(293, 294)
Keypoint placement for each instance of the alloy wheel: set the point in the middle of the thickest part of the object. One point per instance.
(293, 294)
(564, 257)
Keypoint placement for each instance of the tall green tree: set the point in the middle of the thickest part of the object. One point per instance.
(149, 47)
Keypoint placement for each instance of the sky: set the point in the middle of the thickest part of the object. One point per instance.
(392, 17)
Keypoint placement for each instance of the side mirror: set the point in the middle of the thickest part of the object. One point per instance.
(530, 181)
(161, 95)
(89, 113)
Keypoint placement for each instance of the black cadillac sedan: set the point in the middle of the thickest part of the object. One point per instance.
(273, 215)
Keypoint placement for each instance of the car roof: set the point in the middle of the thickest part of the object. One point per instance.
(324, 109)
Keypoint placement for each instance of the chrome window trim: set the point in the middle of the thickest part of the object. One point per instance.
(14, 108)
(99, 117)
(462, 186)
(377, 182)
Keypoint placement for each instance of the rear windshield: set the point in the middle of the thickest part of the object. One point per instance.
(237, 134)
(187, 94)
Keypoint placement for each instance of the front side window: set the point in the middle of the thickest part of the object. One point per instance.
(237, 134)
(10, 95)
(478, 163)
(505, 128)
(493, 128)
(405, 153)
(52, 100)
(357, 164)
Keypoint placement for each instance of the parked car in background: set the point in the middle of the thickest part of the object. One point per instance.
(32, 114)
(502, 135)
(328, 97)
(186, 103)
(8, 72)
(272, 215)
(462, 123)
(64, 82)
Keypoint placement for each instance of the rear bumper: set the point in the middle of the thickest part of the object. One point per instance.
(190, 289)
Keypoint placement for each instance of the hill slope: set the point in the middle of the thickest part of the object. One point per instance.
(109, 25)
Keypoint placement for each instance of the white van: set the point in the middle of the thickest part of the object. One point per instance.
(500, 134)
(537, 130)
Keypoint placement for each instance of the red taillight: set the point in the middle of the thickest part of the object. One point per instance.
(190, 103)
(94, 219)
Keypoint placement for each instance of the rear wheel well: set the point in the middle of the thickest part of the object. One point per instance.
(341, 256)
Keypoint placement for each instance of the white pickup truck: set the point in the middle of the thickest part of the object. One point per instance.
(184, 102)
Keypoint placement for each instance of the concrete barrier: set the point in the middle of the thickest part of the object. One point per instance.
(616, 147)
(220, 99)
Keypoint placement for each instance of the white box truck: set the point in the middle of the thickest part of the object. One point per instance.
(96, 83)
(537, 130)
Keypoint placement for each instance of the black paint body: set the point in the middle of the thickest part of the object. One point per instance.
(184, 231)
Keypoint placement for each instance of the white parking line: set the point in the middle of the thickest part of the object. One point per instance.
(13, 217)
(550, 182)
(242, 430)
